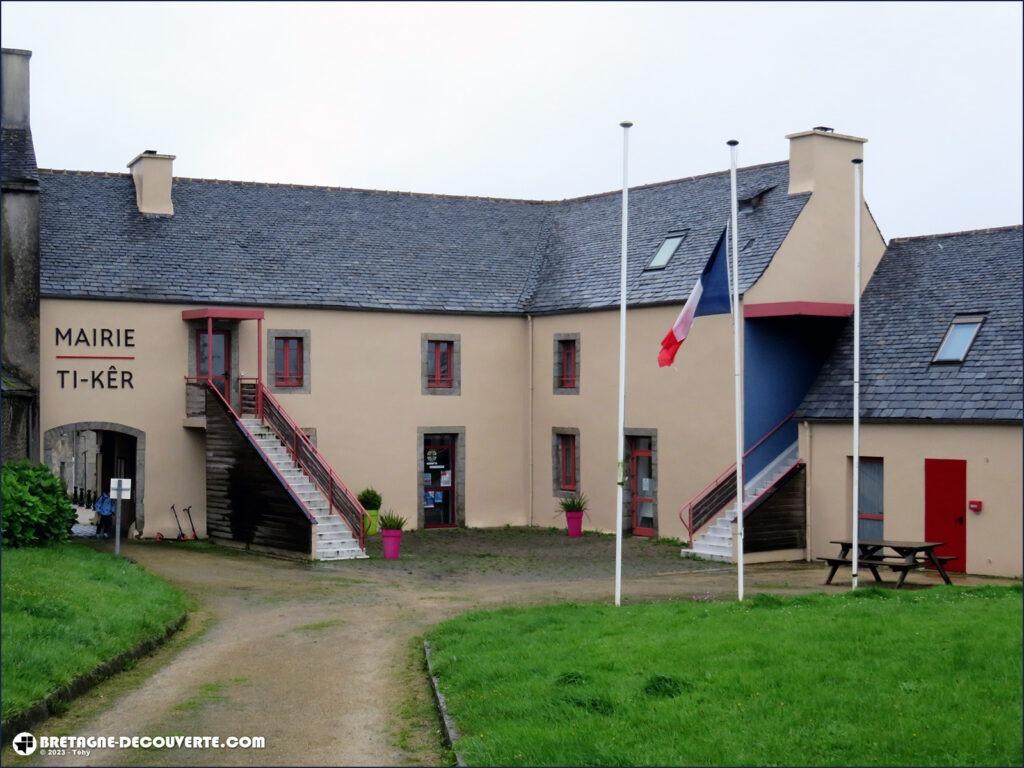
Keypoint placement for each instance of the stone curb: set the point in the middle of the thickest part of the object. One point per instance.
(451, 733)
(38, 712)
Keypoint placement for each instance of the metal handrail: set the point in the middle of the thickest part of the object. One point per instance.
(300, 438)
(686, 511)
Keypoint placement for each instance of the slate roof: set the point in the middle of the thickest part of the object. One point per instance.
(277, 244)
(17, 155)
(919, 286)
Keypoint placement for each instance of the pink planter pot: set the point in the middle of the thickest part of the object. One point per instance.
(392, 544)
(574, 522)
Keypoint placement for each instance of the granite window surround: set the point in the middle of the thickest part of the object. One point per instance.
(456, 364)
(627, 495)
(557, 387)
(556, 463)
(273, 334)
(460, 472)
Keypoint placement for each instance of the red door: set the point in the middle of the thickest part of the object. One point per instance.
(221, 358)
(641, 479)
(945, 509)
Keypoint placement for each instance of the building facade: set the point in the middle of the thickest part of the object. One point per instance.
(257, 351)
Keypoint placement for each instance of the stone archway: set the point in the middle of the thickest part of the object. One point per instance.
(51, 436)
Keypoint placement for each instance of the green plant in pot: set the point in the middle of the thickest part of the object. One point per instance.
(575, 507)
(370, 499)
(391, 526)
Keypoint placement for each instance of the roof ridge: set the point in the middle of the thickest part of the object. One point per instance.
(432, 195)
(982, 231)
(671, 181)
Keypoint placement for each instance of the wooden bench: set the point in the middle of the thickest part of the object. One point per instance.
(894, 563)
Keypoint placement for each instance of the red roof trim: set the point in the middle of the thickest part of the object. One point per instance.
(222, 313)
(797, 308)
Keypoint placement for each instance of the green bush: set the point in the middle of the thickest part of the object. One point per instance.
(369, 498)
(36, 508)
(574, 502)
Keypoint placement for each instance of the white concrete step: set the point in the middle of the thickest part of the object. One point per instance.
(334, 540)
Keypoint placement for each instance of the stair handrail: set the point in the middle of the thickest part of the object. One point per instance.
(686, 511)
(357, 526)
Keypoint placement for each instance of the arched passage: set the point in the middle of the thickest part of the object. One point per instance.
(52, 437)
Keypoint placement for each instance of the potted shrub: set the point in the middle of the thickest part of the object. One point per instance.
(575, 506)
(391, 526)
(370, 500)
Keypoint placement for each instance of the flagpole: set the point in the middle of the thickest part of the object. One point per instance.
(621, 474)
(737, 364)
(857, 196)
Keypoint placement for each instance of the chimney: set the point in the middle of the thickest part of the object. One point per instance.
(15, 88)
(820, 158)
(151, 172)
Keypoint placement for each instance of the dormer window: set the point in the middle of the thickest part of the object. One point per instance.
(750, 200)
(958, 339)
(668, 249)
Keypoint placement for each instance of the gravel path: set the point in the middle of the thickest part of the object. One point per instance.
(320, 659)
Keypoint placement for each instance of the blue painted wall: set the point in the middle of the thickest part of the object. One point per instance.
(782, 356)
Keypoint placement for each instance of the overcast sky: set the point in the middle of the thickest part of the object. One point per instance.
(515, 100)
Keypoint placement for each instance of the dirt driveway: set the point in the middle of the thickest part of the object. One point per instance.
(321, 659)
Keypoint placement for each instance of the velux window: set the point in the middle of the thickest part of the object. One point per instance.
(958, 339)
(567, 462)
(440, 364)
(567, 364)
(667, 250)
(288, 361)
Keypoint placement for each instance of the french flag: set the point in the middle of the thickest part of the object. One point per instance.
(710, 296)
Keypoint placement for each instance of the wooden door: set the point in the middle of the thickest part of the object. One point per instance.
(945, 509)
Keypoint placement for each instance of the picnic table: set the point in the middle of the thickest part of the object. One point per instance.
(871, 554)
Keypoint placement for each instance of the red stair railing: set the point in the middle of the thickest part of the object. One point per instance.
(696, 513)
(257, 399)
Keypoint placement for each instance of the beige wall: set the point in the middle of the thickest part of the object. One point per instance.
(814, 262)
(365, 401)
(689, 403)
(993, 455)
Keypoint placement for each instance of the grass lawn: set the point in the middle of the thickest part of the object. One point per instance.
(66, 610)
(929, 677)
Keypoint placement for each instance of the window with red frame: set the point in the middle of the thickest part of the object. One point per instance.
(440, 363)
(567, 363)
(567, 462)
(288, 361)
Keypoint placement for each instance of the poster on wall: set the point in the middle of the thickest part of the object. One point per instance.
(428, 479)
(428, 500)
(439, 497)
(446, 479)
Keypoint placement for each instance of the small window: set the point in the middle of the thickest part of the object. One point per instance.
(567, 363)
(959, 338)
(440, 364)
(288, 361)
(667, 251)
(567, 462)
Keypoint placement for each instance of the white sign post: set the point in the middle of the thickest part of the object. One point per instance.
(120, 488)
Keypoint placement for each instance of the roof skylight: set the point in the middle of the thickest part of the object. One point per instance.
(668, 250)
(959, 338)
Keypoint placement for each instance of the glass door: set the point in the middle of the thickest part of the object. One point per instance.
(641, 486)
(439, 481)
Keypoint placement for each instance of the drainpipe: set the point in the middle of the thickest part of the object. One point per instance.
(808, 463)
(529, 436)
